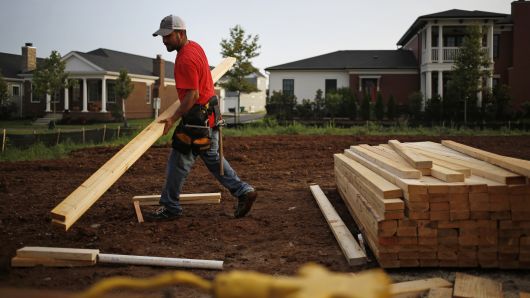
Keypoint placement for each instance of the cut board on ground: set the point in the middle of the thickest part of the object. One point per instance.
(59, 253)
(416, 288)
(185, 199)
(351, 249)
(66, 213)
(478, 287)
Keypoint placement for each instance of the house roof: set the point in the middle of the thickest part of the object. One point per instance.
(11, 65)
(111, 60)
(449, 14)
(359, 59)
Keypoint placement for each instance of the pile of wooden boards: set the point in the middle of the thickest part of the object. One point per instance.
(426, 204)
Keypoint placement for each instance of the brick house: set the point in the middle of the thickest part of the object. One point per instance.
(423, 61)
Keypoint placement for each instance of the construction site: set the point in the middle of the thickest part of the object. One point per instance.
(285, 229)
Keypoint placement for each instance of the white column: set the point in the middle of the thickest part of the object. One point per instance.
(440, 44)
(428, 85)
(440, 83)
(490, 43)
(48, 103)
(428, 50)
(104, 95)
(422, 83)
(85, 96)
(66, 99)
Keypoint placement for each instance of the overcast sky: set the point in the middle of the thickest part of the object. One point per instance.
(288, 30)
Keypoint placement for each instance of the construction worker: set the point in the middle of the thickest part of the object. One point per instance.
(197, 133)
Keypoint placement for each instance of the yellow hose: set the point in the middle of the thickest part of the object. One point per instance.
(166, 279)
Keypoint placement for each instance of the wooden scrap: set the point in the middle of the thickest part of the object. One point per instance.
(440, 293)
(66, 213)
(416, 288)
(348, 244)
(417, 161)
(478, 287)
(49, 262)
(59, 253)
(184, 199)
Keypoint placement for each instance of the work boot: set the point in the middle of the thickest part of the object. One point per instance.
(162, 214)
(244, 203)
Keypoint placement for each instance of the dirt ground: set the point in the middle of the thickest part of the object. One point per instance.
(284, 230)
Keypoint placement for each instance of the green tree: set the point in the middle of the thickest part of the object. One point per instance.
(3, 89)
(333, 101)
(391, 108)
(319, 104)
(471, 66)
(123, 89)
(281, 105)
(50, 78)
(379, 107)
(348, 105)
(243, 48)
(366, 107)
(415, 102)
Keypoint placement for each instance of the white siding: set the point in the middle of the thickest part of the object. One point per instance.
(306, 83)
(74, 64)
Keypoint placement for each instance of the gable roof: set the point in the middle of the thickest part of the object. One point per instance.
(448, 14)
(358, 59)
(111, 60)
(11, 65)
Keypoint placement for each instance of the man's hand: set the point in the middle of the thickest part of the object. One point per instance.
(168, 123)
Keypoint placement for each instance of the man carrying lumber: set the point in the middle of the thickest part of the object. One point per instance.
(197, 134)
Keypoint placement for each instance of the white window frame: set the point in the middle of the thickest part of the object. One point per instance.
(13, 86)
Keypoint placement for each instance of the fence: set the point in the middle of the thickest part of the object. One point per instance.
(58, 136)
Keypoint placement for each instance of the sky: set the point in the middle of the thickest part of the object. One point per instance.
(288, 30)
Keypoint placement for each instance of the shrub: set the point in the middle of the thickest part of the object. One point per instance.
(391, 108)
(379, 107)
(365, 107)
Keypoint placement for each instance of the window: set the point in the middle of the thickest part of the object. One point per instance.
(94, 90)
(111, 92)
(148, 94)
(15, 90)
(76, 92)
(288, 87)
(369, 86)
(496, 38)
(331, 85)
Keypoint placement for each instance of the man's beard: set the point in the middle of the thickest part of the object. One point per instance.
(170, 48)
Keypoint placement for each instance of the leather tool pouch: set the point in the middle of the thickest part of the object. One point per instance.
(193, 131)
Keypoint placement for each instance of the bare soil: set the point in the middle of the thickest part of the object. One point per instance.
(284, 230)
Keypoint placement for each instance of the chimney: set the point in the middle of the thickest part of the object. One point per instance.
(29, 57)
(159, 67)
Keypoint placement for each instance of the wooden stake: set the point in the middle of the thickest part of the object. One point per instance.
(104, 132)
(4, 141)
(58, 136)
(66, 213)
(221, 155)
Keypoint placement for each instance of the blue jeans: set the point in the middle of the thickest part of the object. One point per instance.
(179, 166)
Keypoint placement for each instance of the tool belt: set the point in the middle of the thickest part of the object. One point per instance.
(193, 132)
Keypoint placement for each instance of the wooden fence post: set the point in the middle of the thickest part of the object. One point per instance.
(58, 136)
(104, 132)
(4, 141)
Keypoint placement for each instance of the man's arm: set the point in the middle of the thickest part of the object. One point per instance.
(185, 105)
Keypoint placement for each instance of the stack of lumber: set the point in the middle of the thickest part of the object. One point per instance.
(426, 204)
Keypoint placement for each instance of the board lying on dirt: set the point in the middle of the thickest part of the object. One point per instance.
(461, 212)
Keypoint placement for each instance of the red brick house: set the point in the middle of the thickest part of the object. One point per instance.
(423, 61)
(92, 97)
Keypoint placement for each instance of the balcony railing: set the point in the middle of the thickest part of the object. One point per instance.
(449, 54)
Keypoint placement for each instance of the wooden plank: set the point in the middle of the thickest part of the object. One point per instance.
(446, 174)
(185, 199)
(473, 286)
(138, 211)
(48, 262)
(397, 169)
(348, 244)
(519, 166)
(417, 287)
(440, 293)
(80, 200)
(417, 161)
(58, 253)
(480, 169)
(380, 185)
(409, 186)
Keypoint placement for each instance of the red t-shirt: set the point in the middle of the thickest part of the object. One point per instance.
(192, 71)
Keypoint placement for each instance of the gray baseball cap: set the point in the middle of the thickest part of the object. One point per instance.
(170, 23)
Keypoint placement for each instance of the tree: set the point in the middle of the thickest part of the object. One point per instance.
(243, 48)
(391, 108)
(366, 107)
(319, 103)
(471, 66)
(7, 107)
(3, 89)
(50, 77)
(379, 107)
(333, 101)
(123, 89)
(415, 102)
